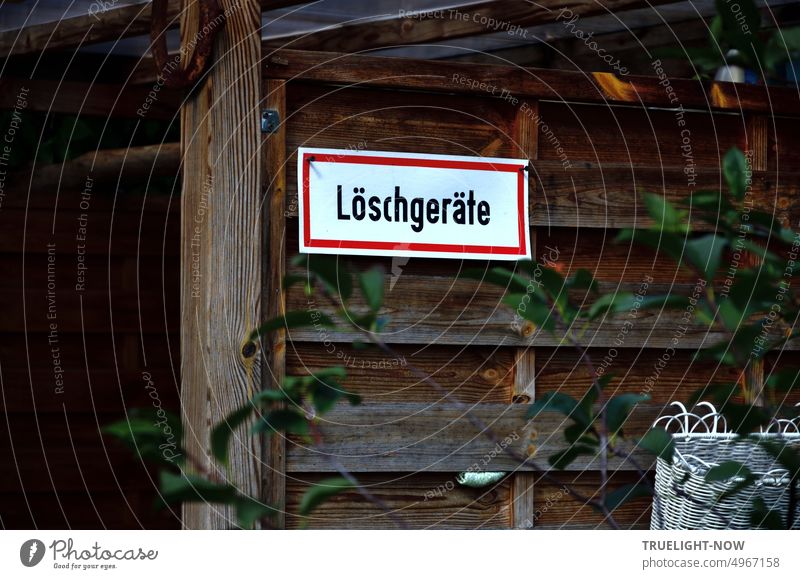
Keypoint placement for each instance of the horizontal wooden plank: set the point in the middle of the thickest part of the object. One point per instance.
(573, 133)
(107, 23)
(531, 82)
(99, 26)
(437, 26)
(664, 375)
(472, 374)
(420, 501)
(556, 509)
(414, 437)
(604, 195)
(439, 310)
(609, 195)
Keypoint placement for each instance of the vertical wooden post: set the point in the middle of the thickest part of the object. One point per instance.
(758, 147)
(274, 297)
(221, 249)
(522, 507)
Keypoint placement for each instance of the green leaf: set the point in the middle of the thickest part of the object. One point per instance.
(625, 493)
(177, 488)
(531, 309)
(326, 394)
(713, 202)
(719, 393)
(291, 279)
(153, 434)
(563, 459)
(787, 456)
(671, 244)
(730, 315)
(272, 396)
(705, 253)
(779, 47)
(619, 409)
(552, 281)
(333, 276)
(321, 492)
(589, 398)
(582, 279)
(250, 510)
(621, 302)
(284, 419)
(499, 276)
(726, 470)
(784, 380)
(659, 442)
(372, 287)
(559, 402)
(221, 434)
(576, 433)
(735, 171)
(744, 418)
(666, 216)
(293, 319)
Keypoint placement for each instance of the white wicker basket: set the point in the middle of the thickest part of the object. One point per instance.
(684, 500)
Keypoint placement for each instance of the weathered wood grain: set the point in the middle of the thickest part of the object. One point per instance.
(609, 195)
(665, 376)
(635, 135)
(532, 83)
(605, 195)
(408, 437)
(526, 132)
(556, 509)
(445, 311)
(758, 131)
(273, 298)
(446, 24)
(221, 241)
(108, 24)
(471, 374)
(421, 501)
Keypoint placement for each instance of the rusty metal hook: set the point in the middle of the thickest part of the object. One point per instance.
(212, 19)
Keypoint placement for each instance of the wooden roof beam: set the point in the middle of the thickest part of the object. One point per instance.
(448, 23)
(108, 25)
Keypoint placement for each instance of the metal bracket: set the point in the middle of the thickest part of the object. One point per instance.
(270, 119)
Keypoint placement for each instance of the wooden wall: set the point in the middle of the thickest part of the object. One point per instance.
(592, 156)
(110, 340)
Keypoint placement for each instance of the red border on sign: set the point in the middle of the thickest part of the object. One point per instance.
(521, 249)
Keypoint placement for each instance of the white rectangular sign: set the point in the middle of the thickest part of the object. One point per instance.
(408, 204)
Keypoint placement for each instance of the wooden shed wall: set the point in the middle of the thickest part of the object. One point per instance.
(590, 162)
